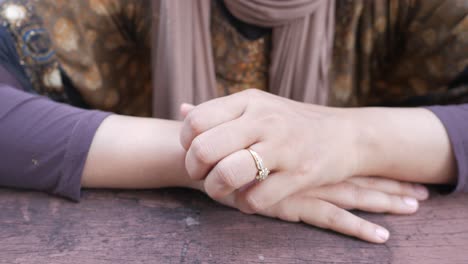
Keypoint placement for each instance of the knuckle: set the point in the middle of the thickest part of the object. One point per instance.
(241, 204)
(226, 174)
(391, 203)
(304, 173)
(333, 218)
(387, 204)
(252, 96)
(201, 150)
(195, 122)
(254, 203)
(252, 92)
(274, 120)
(405, 188)
(372, 182)
(356, 195)
(286, 216)
(213, 193)
(285, 212)
(268, 118)
(360, 228)
(348, 190)
(300, 178)
(310, 170)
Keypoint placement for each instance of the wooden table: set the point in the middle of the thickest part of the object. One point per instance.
(181, 226)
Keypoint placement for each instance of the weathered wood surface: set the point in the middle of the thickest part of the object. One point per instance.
(180, 226)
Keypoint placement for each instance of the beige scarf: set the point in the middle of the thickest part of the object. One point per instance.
(183, 70)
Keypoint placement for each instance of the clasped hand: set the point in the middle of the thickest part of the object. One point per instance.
(313, 153)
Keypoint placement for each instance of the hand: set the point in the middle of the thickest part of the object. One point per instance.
(303, 145)
(325, 206)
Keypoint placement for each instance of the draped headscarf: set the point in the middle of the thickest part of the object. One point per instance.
(183, 66)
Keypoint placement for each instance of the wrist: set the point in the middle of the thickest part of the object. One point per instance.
(367, 142)
(355, 141)
(178, 174)
(402, 143)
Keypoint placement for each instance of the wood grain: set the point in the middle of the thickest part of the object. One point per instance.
(181, 226)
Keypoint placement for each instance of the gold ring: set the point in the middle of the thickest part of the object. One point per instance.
(263, 172)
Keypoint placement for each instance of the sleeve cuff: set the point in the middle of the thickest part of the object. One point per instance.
(455, 121)
(76, 154)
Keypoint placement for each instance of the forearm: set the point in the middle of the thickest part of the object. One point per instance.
(130, 152)
(404, 144)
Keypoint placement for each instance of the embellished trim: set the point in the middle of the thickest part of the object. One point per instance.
(34, 47)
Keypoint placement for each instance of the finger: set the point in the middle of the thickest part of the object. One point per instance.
(210, 114)
(322, 214)
(350, 196)
(217, 143)
(325, 215)
(185, 109)
(236, 171)
(392, 187)
(266, 193)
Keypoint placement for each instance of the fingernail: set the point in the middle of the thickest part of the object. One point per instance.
(411, 202)
(382, 233)
(421, 190)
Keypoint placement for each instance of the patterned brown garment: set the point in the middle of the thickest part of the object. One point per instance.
(386, 52)
(399, 52)
(240, 63)
(104, 47)
(34, 48)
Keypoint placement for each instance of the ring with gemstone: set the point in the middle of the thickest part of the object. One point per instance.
(263, 172)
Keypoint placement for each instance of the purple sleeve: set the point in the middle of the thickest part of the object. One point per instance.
(44, 144)
(455, 120)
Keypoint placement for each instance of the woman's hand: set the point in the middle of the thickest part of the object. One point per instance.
(306, 146)
(325, 206)
(303, 146)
